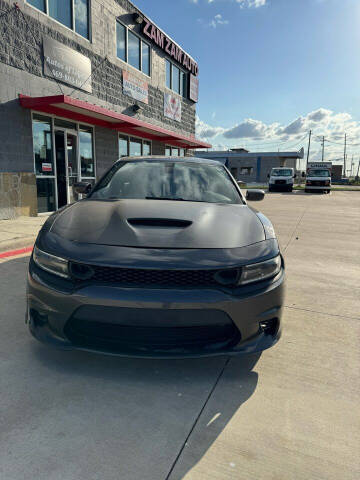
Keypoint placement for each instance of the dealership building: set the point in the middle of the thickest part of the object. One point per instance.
(254, 167)
(82, 83)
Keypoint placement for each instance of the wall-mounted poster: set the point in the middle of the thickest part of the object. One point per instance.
(135, 88)
(172, 107)
(66, 65)
(194, 88)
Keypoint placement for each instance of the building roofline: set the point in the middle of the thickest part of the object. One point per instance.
(230, 154)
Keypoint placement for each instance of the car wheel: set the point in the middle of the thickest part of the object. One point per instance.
(307, 190)
(290, 189)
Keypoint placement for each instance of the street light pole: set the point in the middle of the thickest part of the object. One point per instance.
(345, 157)
(308, 152)
(323, 148)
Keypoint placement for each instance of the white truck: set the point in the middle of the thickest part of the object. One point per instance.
(318, 177)
(281, 178)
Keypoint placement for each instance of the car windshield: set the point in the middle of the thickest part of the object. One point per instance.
(281, 173)
(167, 180)
(316, 172)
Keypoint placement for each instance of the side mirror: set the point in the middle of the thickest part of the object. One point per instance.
(294, 176)
(268, 175)
(303, 174)
(255, 195)
(82, 187)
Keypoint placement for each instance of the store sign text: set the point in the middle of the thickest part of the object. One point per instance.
(66, 65)
(169, 47)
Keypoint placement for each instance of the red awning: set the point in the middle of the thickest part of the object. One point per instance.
(83, 112)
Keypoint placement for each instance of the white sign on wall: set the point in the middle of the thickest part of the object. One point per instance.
(135, 88)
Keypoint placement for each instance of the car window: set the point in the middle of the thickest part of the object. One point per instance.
(168, 180)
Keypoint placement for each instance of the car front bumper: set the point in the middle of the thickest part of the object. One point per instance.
(52, 315)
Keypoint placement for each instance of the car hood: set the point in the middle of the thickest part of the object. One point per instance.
(159, 224)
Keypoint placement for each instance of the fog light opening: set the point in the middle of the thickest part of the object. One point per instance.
(37, 319)
(270, 327)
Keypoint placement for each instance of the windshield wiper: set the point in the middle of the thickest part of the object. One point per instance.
(176, 199)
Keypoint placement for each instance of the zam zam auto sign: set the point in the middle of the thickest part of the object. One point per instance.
(169, 47)
(66, 65)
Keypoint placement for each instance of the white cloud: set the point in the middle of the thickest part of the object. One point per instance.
(217, 20)
(258, 135)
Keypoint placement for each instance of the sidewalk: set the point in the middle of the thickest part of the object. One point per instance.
(20, 232)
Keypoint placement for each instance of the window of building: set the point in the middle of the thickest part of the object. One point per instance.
(246, 170)
(60, 10)
(145, 59)
(176, 79)
(174, 151)
(82, 17)
(132, 50)
(74, 14)
(134, 147)
(39, 4)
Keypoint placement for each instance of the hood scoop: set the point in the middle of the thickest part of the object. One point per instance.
(159, 222)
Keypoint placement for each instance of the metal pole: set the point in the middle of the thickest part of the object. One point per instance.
(308, 152)
(323, 148)
(345, 157)
(357, 175)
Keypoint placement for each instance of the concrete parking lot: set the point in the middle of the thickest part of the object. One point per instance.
(291, 413)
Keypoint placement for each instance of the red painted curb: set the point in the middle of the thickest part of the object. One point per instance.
(13, 253)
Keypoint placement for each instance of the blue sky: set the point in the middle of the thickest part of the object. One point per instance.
(271, 69)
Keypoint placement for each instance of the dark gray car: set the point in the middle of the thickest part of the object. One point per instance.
(164, 258)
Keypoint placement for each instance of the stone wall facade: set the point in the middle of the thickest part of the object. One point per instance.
(22, 72)
(17, 195)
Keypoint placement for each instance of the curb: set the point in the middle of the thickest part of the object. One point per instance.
(14, 253)
(16, 244)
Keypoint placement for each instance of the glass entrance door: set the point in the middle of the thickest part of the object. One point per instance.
(72, 165)
(67, 171)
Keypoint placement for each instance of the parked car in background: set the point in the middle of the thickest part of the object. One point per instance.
(281, 179)
(164, 258)
(318, 177)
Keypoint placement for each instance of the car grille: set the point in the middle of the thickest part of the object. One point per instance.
(161, 278)
(128, 330)
(280, 182)
(316, 183)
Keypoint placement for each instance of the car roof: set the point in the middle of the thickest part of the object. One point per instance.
(162, 158)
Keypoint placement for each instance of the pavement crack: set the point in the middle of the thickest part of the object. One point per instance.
(198, 417)
(322, 313)
(296, 227)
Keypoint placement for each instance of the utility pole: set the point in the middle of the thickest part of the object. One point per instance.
(308, 152)
(345, 157)
(323, 148)
(357, 175)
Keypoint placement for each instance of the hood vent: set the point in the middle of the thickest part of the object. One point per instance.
(159, 222)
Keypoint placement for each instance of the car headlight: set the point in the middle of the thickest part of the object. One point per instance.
(50, 263)
(260, 271)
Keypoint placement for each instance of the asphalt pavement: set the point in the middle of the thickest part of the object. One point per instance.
(291, 413)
